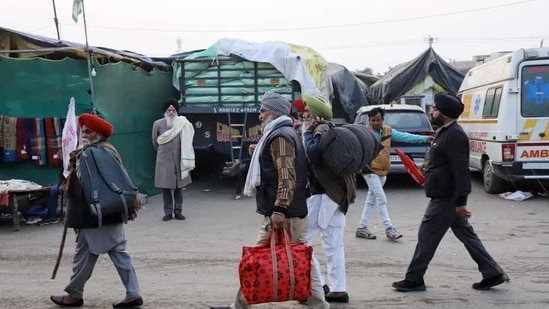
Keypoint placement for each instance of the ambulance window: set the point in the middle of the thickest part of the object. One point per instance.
(497, 100)
(491, 103)
(535, 91)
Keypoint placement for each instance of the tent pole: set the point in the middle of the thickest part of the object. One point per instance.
(89, 58)
(55, 20)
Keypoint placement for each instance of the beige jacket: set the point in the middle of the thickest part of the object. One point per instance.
(381, 164)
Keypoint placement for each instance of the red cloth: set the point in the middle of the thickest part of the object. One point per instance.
(23, 134)
(96, 124)
(411, 167)
(53, 142)
(287, 278)
(4, 199)
(299, 105)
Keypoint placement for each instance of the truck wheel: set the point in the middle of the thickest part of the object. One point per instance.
(492, 183)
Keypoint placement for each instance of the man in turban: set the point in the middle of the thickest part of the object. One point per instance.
(278, 178)
(326, 208)
(172, 138)
(447, 184)
(93, 239)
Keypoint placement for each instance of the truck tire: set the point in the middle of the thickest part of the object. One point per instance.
(492, 183)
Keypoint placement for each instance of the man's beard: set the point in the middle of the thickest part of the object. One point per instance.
(169, 119)
(266, 121)
(84, 142)
(307, 122)
(437, 121)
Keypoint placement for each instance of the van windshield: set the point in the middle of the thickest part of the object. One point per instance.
(403, 120)
(535, 91)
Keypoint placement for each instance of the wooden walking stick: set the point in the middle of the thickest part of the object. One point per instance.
(60, 253)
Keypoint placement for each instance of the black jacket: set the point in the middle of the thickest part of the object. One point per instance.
(447, 174)
(266, 192)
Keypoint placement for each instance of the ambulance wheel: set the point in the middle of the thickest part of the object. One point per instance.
(492, 183)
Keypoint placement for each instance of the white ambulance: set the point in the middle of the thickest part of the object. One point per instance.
(506, 116)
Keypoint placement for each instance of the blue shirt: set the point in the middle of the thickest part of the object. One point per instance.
(404, 137)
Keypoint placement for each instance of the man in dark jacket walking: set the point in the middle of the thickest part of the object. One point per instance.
(93, 240)
(448, 184)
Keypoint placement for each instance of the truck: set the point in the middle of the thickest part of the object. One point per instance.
(506, 116)
(221, 97)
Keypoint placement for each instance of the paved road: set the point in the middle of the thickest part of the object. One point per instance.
(192, 264)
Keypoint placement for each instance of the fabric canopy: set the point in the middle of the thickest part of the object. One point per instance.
(405, 76)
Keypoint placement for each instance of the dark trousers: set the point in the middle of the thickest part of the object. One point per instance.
(172, 203)
(439, 216)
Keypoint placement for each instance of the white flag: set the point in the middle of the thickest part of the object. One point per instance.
(76, 9)
(69, 137)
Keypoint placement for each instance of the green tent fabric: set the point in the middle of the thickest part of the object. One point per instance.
(129, 97)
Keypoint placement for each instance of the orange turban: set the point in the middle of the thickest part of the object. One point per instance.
(96, 124)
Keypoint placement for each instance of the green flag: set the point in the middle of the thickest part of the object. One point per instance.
(76, 9)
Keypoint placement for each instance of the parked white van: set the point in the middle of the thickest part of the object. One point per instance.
(506, 116)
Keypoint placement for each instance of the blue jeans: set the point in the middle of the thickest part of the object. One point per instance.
(52, 201)
(376, 195)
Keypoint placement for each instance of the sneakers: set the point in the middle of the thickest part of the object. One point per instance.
(32, 221)
(363, 232)
(47, 221)
(409, 286)
(488, 283)
(392, 233)
(167, 217)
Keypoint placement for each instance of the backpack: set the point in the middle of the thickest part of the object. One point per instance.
(107, 187)
(347, 149)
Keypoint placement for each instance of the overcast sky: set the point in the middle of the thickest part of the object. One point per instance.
(354, 33)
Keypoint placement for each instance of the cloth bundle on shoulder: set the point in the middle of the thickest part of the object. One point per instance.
(349, 148)
(107, 186)
(275, 272)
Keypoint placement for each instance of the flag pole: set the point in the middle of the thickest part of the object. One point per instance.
(55, 20)
(88, 57)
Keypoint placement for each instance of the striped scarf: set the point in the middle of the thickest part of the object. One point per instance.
(38, 143)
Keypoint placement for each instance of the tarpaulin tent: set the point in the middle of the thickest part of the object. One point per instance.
(349, 92)
(39, 75)
(404, 77)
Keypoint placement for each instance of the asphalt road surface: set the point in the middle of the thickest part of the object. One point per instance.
(193, 263)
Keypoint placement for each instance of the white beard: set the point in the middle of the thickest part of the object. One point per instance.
(169, 120)
(84, 142)
(307, 122)
(268, 120)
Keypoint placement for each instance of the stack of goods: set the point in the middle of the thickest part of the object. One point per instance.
(14, 185)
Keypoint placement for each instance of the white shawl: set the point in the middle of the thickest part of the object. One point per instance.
(183, 128)
(253, 179)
